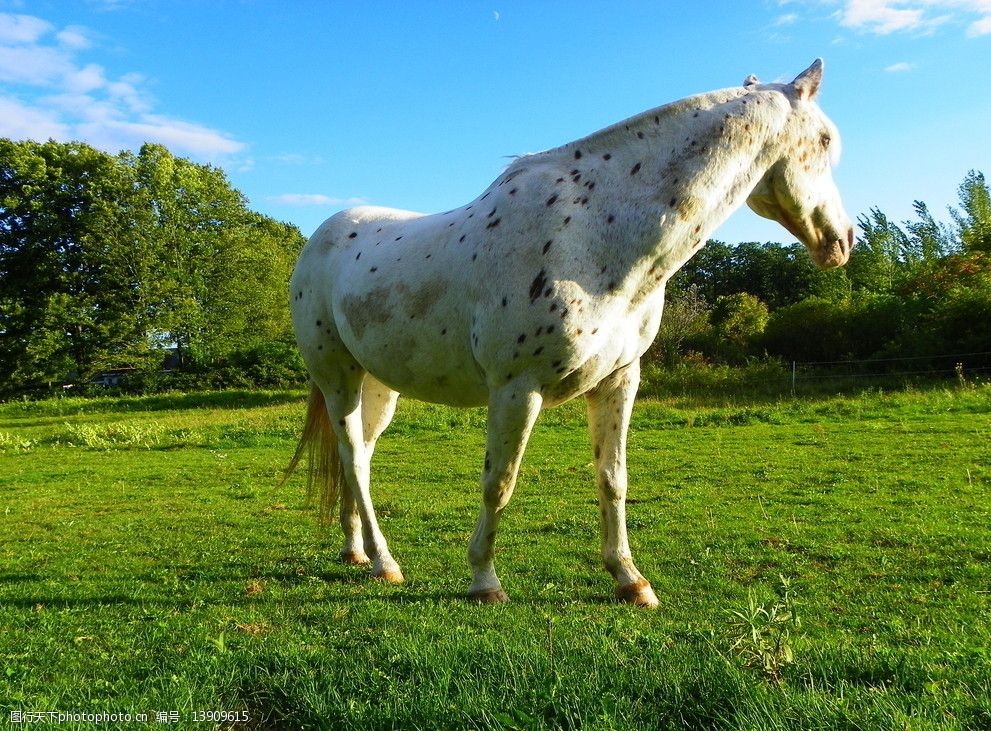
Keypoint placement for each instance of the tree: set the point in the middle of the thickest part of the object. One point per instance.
(974, 220)
(738, 320)
(68, 286)
(103, 259)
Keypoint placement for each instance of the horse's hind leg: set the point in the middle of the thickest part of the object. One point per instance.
(609, 407)
(378, 404)
(345, 411)
(512, 412)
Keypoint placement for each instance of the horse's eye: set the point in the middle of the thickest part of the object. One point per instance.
(825, 140)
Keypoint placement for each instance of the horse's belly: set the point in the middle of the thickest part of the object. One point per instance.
(425, 371)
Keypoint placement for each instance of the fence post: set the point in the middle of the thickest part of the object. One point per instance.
(793, 378)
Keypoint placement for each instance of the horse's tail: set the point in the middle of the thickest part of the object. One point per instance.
(324, 470)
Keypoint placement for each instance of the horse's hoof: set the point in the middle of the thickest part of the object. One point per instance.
(390, 576)
(354, 558)
(489, 596)
(639, 594)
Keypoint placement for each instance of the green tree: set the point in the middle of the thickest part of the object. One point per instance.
(105, 258)
(738, 320)
(974, 219)
(69, 285)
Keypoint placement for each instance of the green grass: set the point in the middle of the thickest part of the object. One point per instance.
(149, 562)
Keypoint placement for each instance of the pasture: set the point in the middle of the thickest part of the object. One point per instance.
(820, 563)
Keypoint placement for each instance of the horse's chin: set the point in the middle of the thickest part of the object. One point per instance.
(830, 255)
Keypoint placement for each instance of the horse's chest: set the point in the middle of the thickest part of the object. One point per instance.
(618, 341)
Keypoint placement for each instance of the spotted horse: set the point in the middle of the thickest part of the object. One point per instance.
(547, 286)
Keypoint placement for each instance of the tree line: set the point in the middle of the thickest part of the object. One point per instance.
(919, 289)
(121, 262)
(154, 267)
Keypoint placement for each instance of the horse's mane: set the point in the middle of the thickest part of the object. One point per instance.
(657, 119)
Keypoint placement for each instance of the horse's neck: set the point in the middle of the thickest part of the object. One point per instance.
(674, 176)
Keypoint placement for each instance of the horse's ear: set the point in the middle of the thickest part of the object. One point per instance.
(750, 81)
(807, 83)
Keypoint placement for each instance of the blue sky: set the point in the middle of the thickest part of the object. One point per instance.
(314, 106)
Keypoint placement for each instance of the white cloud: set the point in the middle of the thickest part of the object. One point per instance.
(980, 27)
(786, 19)
(315, 199)
(22, 28)
(899, 67)
(880, 16)
(883, 17)
(75, 37)
(50, 92)
(18, 122)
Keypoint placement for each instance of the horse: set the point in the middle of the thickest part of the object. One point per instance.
(547, 286)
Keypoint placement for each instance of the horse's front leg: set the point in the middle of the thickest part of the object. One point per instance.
(512, 411)
(609, 407)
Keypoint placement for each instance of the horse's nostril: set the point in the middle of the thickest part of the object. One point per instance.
(850, 238)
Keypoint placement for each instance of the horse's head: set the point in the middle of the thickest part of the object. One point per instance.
(798, 190)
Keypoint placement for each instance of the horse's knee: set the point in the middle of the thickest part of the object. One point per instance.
(612, 486)
(496, 495)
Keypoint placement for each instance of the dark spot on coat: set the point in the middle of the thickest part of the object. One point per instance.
(537, 286)
(521, 339)
(550, 329)
(635, 169)
(474, 256)
(397, 238)
(462, 239)
(494, 223)
(353, 235)
(539, 350)
(611, 218)
(553, 307)
(640, 135)
(567, 220)
(319, 323)
(503, 301)
(358, 257)
(340, 422)
(550, 201)
(548, 292)
(607, 156)
(444, 331)
(578, 154)
(585, 201)
(513, 191)
(673, 202)
(374, 269)
(612, 286)
(547, 246)
(491, 213)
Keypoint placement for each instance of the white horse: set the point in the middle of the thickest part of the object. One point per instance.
(547, 286)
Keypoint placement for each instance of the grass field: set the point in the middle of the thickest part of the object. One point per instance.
(150, 563)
